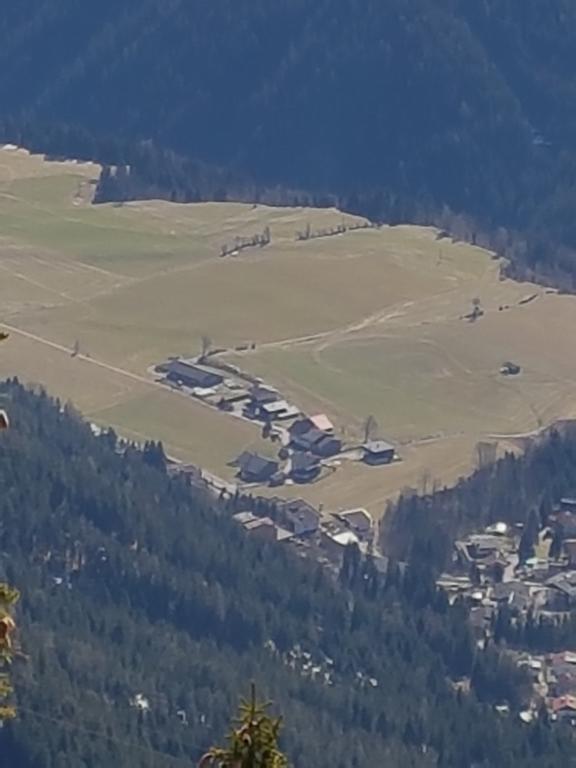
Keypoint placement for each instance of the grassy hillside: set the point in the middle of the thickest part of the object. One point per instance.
(369, 322)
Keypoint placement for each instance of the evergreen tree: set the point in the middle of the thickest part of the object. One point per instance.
(8, 598)
(253, 743)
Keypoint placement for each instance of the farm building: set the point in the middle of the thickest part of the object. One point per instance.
(192, 375)
(263, 395)
(305, 467)
(378, 452)
(262, 528)
(317, 442)
(253, 468)
(322, 422)
(301, 517)
(258, 398)
(335, 542)
(302, 426)
(357, 520)
(231, 397)
(279, 410)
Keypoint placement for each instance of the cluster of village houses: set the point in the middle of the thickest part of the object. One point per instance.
(487, 571)
(320, 534)
(307, 446)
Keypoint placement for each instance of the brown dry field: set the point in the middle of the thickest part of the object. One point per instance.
(369, 322)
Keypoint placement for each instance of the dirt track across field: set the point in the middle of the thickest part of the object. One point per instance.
(369, 322)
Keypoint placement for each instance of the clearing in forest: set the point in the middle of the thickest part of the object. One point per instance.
(370, 322)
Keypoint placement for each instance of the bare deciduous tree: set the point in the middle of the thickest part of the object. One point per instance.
(205, 346)
(370, 428)
(486, 454)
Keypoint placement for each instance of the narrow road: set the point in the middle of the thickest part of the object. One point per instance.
(100, 363)
(214, 480)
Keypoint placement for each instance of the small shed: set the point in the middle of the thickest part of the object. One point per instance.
(377, 452)
(510, 369)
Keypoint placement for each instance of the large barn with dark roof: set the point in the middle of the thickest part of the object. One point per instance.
(192, 375)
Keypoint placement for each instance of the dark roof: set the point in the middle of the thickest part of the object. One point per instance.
(378, 446)
(311, 437)
(300, 427)
(565, 582)
(262, 395)
(509, 590)
(302, 462)
(298, 506)
(253, 464)
(299, 510)
(200, 377)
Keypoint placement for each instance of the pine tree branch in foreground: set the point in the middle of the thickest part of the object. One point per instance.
(4, 420)
(8, 598)
(253, 743)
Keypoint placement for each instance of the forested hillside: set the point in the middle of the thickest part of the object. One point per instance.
(396, 108)
(145, 613)
(513, 490)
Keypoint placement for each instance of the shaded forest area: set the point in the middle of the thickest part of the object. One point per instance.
(145, 612)
(523, 492)
(444, 111)
(514, 490)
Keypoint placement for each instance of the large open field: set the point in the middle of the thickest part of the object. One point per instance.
(369, 322)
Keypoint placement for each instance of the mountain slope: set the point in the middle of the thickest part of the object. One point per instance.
(133, 586)
(426, 102)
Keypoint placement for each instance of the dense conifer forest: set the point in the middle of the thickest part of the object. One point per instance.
(145, 613)
(426, 110)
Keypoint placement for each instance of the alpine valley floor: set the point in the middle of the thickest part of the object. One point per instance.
(368, 322)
